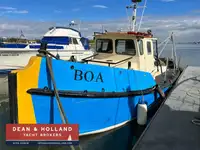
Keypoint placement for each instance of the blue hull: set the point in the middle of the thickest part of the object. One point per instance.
(12, 45)
(92, 114)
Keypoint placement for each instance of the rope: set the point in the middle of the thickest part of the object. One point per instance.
(196, 122)
(63, 116)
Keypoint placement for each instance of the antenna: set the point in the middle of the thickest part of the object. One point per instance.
(72, 23)
(21, 34)
(134, 6)
(102, 27)
(145, 3)
(174, 50)
(80, 25)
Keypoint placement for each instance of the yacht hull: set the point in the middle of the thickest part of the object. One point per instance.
(18, 58)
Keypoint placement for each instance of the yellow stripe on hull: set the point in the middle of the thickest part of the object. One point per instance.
(29, 76)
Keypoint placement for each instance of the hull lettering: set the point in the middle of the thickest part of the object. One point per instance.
(88, 76)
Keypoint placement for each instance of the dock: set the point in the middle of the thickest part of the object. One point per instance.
(172, 127)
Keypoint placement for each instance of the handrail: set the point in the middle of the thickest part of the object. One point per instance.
(98, 33)
(110, 63)
(84, 59)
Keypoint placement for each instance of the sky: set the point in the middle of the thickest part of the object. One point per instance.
(34, 17)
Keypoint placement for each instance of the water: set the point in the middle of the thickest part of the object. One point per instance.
(189, 54)
(125, 137)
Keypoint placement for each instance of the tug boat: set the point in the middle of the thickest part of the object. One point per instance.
(102, 92)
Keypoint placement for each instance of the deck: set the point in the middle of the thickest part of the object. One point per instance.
(171, 127)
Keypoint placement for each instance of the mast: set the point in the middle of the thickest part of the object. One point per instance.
(133, 19)
(174, 55)
(80, 26)
(134, 15)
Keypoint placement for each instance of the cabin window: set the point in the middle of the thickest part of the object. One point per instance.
(149, 48)
(56, 40)
(70, 41)
(75, 41)
(85, 43)
(104, 46)
(140, 45)
(126, 47)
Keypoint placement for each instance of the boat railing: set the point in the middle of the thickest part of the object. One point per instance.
(109, 61)
(85, 59)
(97, 33)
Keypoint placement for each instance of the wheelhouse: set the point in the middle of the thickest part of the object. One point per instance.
(125, 49)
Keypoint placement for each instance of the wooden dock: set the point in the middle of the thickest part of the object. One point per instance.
(172, 127)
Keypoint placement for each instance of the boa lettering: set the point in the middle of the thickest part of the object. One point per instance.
(88, 76)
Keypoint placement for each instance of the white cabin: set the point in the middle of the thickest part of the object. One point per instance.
(63, 42)
(125, 50)
(62, 38)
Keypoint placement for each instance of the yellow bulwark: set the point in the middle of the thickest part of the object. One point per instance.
(27, 78)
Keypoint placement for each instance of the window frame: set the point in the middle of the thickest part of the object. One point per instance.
(109, 52)
(75, 40)
(149, 53)
(56, 40)
(70, 40)
(141, 54)
(125, 45)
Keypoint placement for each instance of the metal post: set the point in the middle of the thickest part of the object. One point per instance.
(157, 54)
(174, 52)
(80, 26)
(165, 77)
(134, 17)
(174, 49)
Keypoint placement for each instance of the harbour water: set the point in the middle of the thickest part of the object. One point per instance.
(189, 54)
(124, 138)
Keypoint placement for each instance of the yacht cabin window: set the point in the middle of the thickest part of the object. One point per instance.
(125, 47)
(104, 46)
(70, 41)
(56, 40)
(149, 48)
(75, 41)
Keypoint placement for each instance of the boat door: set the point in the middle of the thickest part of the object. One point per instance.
(148, 52)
